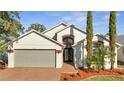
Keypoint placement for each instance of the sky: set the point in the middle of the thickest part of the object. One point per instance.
(77, 18)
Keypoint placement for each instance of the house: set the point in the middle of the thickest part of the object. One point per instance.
(120, 55)
(53, 47)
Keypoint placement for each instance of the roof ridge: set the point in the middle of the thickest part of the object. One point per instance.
(55, 27)
(63, 28)
(107, 39)
(72, 26)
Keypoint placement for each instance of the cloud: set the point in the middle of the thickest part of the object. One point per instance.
(66, 19)
(105, 17)
(54, 13)
(76, 18)
(118, 15)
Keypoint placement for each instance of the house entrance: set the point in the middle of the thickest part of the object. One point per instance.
(68, 54)
(68, 41)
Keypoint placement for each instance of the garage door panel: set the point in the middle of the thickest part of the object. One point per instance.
(34, 58)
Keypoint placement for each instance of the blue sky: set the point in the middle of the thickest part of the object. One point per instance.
(51, 18)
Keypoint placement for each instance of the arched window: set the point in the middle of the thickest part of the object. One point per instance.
(68, 40)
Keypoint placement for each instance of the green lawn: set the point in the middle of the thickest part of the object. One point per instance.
(106, 78)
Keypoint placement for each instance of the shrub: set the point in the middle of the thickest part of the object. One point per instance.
(98, 58)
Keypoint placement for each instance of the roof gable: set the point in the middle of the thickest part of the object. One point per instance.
(38, 33)
(72, 27)
(107, 39)
(54, 27)
(71, 30)
(120, 39)
(117, 44)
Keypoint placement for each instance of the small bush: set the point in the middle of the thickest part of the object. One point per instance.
(98, 58)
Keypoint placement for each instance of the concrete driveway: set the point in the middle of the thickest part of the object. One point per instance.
(30, 74)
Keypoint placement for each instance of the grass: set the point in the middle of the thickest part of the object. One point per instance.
(106, 78)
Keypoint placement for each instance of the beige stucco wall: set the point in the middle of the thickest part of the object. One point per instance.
(63, 32)
(78, 36)
(80, 55)
(10, 60)
(59, 60)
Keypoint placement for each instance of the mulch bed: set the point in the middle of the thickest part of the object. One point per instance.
(83, 74)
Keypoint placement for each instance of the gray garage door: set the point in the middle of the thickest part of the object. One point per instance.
(34, 58)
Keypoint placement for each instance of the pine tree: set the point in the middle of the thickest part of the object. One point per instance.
(112, 37)
(89, 37)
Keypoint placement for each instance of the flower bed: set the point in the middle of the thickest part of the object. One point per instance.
(84, 74)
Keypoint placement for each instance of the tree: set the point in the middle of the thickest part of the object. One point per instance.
(37, 27)
(99, 56)
(3, 48)
(9, 23)
(89, 37)
(9, 27)
(112, 37)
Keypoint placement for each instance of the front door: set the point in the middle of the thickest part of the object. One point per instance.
(68, 55)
